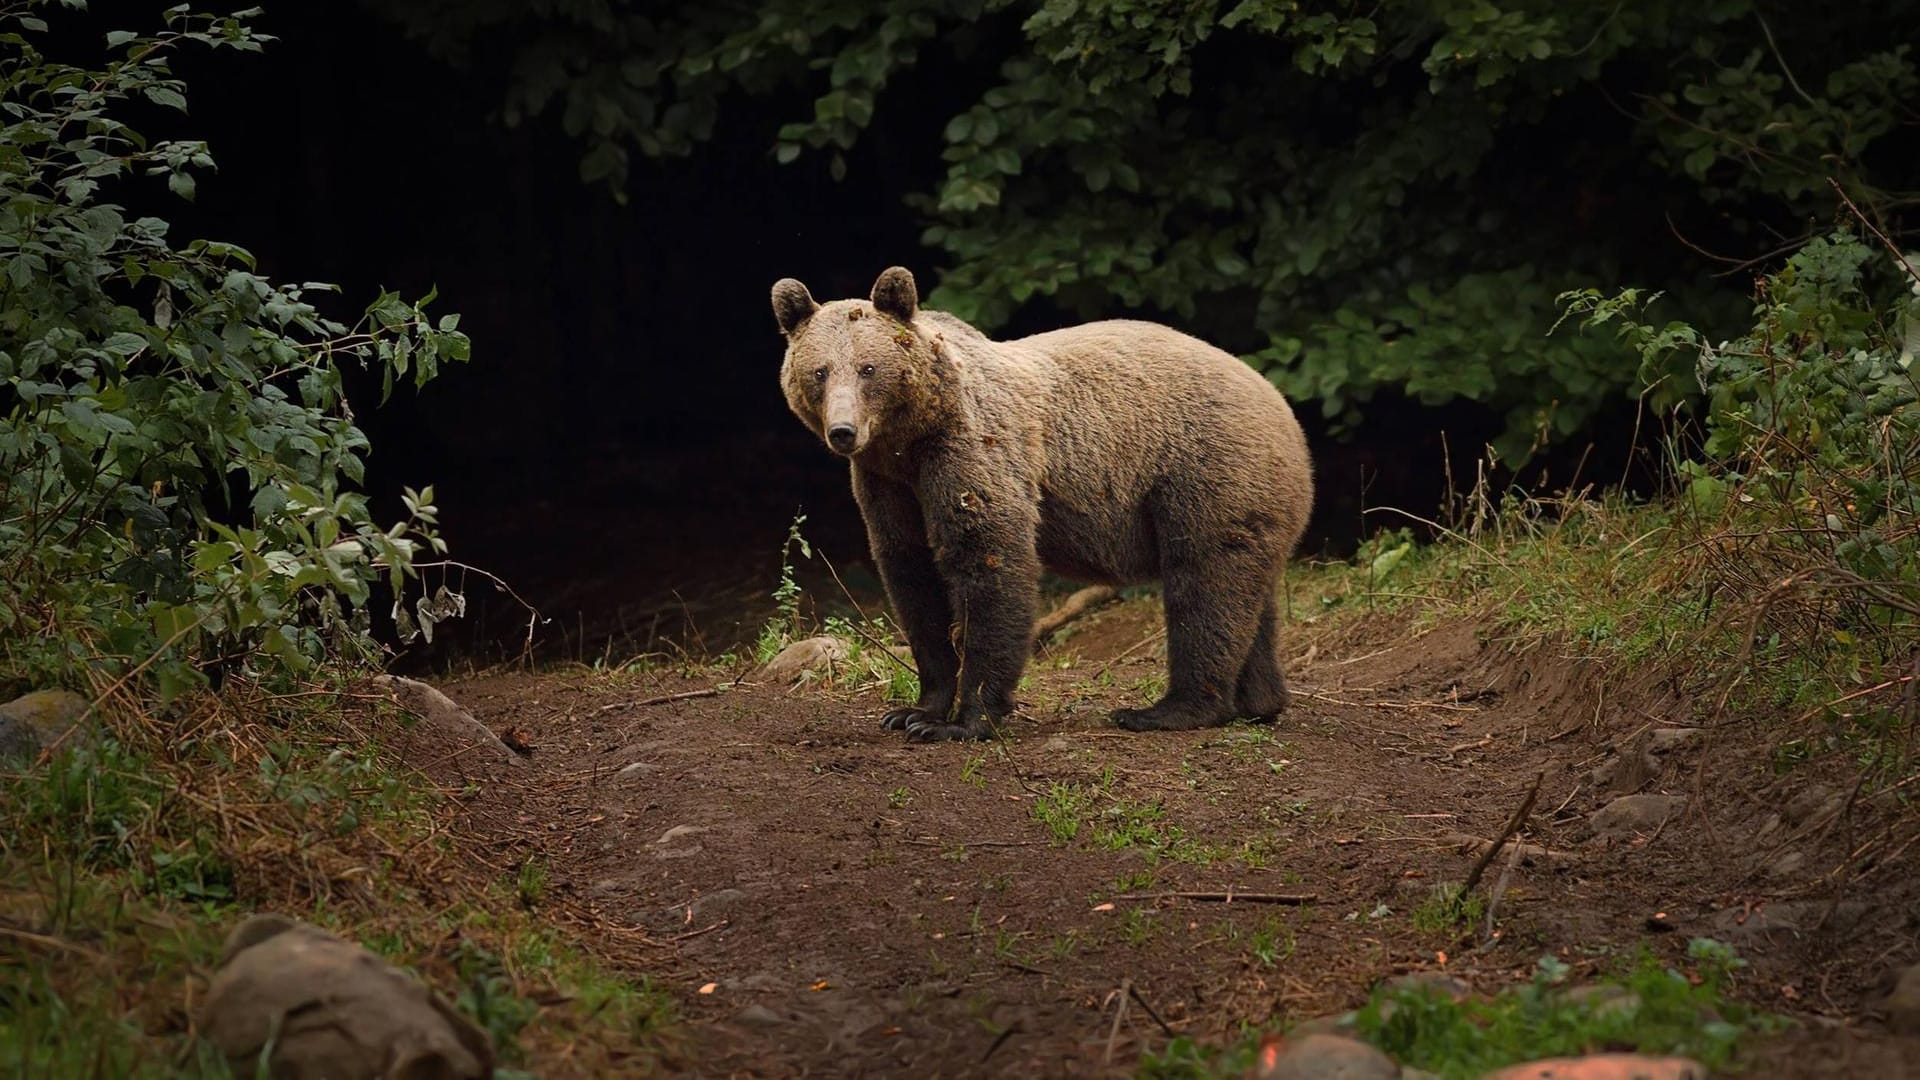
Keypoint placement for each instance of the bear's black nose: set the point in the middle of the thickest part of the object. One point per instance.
(840, 437)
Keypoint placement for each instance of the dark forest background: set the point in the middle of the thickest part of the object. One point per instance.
(1381, 228)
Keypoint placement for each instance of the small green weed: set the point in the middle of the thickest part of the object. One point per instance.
(1272, 941)
(1446, 909)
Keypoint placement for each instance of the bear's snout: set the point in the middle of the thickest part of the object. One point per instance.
(842, 438)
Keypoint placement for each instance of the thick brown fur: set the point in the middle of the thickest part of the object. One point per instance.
(1116, 452)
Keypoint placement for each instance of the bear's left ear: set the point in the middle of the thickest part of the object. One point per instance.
(894, 293)
(792, 304)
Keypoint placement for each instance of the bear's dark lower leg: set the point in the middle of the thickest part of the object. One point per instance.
(1262, 692)
(919, 601)
(996, 639)
(1213, 615)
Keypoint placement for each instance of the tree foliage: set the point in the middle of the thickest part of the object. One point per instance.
(177, 453)
(1357, 197)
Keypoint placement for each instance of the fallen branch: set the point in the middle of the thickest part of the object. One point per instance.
(685, 695)
(1506, 834)
(1142, 1002)
(1119, 1015)
(1228, 897)
(1073, 607)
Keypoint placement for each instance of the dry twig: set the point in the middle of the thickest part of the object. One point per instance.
(1513, 826)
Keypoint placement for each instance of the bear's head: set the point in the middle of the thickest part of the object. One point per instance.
(858, 373)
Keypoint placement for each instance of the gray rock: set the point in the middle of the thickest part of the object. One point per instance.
(638, 768)
(1625, 773)
(317, 1005)
(1815, 802)
(1334, 1024)
(32, 722)
(1630, 814)
(759, 1016)
(681, 831)
(1437, 982)
(807, 654)
(1789, 917)
(1789, 865)
(713, 905)
(1666, 740)
(1326, 1057)
(438, 711)
(1903, 1005)
(1604, 999)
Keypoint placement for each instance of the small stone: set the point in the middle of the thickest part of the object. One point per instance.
(32, 722)
(759, 1016)
(1789, 916)
(1630, 814)
(679, 831)
(1666, 740)
(1626, 773)
(1903, 1005)
(716, 903)
(1788, 866)
(807, 654)
(1603, 1067)
(1057, 744)
(1323, 1057)
(1335, 1024)
(1440, 983)
(638, 768)
(1817, 801)
(1604, 999)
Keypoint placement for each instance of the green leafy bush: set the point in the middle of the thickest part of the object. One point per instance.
(177, 451)
(1805, 489)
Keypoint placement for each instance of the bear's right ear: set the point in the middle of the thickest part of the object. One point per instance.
(895, 293)
(792, 304)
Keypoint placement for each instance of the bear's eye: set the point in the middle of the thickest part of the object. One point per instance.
(866, 371)
(820, 374)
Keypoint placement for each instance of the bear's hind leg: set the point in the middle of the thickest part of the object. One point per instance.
(1262, 693)
(1213, 618)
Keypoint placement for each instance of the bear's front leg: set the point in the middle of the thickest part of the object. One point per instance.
(897, 537)
(992, 572)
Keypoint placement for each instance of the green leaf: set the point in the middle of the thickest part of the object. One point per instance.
(166, 96)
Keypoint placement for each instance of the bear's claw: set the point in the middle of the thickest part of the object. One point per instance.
(902, 719)
(1165, 718)
(927, 731)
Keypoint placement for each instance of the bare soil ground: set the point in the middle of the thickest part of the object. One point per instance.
(829, 901)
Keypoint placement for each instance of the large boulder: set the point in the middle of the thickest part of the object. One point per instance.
(323, 1008)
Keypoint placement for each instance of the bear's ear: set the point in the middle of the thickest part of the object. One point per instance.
(792, 304)
(895, 294)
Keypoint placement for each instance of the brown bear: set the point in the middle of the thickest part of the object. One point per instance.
(1116, 452)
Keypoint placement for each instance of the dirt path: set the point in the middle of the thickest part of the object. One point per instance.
(864, 907)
